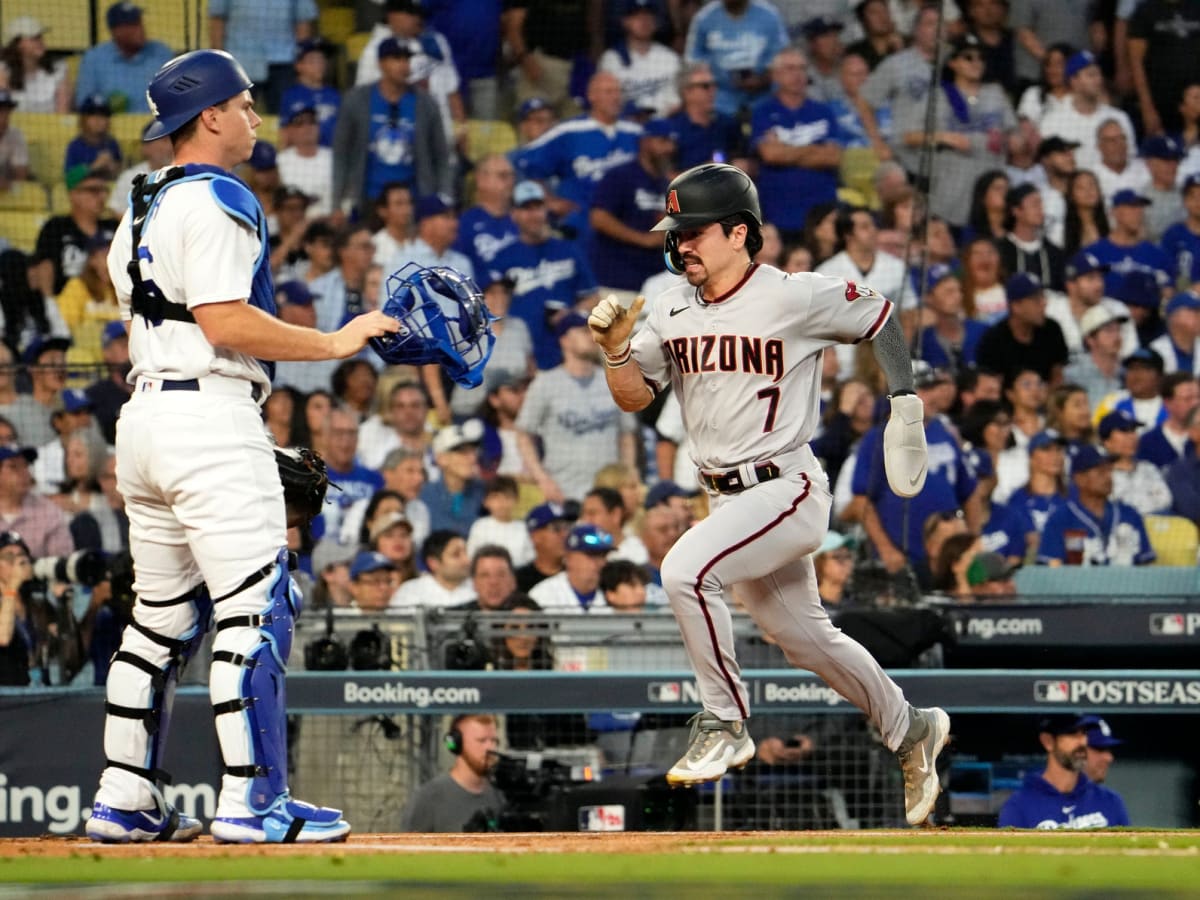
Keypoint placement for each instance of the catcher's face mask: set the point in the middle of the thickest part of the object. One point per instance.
(442, 319)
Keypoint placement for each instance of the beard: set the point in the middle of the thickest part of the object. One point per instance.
(698, 277)
(1073, 761)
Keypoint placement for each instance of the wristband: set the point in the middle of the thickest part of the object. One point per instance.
(620, 358)
(900, 393)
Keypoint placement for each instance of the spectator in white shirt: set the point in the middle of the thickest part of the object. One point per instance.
(1084, 110)
(499, 527)
(645, 68)
(1117, 169)
(394, 241)
(446, 583)
(305, 164)
(577, 587)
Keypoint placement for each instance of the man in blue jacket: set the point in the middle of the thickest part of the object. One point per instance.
(1062, 796)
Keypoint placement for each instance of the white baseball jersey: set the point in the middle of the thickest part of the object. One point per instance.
(747, 366)
(196, 253)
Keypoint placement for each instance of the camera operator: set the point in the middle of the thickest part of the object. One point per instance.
(40, 523)
(17, 639)
(463, 799)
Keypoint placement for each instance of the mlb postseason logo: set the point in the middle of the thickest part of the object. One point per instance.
(610, 817)
(1174, 624)
(1052, 692)
(673, 692)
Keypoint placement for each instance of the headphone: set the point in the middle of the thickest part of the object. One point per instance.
(453, 740)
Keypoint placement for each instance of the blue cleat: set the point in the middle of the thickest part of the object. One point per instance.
(289, 821)
(122, 826)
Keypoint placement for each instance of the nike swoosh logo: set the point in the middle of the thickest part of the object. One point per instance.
(923, 768)
(676, 312)
(1067, 810)
(913, 481)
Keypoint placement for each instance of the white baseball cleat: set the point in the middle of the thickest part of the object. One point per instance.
(715, 747)
(928, 731)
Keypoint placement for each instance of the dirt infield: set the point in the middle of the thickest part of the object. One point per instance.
(933, 840)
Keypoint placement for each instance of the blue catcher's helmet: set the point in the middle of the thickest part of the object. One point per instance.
(189, 84)
(442, 319)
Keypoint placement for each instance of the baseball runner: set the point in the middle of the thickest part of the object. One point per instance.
(206, 509)
(741, 345)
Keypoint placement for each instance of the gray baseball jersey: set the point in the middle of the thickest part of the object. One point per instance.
(747, 367)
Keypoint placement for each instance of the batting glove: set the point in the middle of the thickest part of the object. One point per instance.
(905, 455)
(612, 325)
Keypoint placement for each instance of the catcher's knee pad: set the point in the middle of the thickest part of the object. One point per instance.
(250, 653)
(141, 685)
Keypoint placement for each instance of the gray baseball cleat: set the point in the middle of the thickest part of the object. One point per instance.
(928, 731)
(715, 747)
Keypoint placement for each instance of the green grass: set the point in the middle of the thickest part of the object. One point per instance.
(988, 860)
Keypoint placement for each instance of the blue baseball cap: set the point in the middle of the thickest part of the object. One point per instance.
(75, 400)
(1080, 61)
(295, 293)
(1161, 146)
(394, 46)
(369, 561)
(528, 192)
(39, 345)
(309, 45)
(262, 157)
(432, 205)
(113, 331)
(1022, 286)
(1144, 356)
(662, 492)
(935, 275)
(95, 105)
(636, 6)
(295, 109)
(569, 321)
(1084, 263)
(589, 539)
(530, 106)
(819, 25)
(546, 514)
(1099, 734)
(1046, 438)
(1117, 420)
(12, 451)
(1087, 457)
(1184, 300)
(1138, 288)
(660, 128)
(1129, 197)
(1190, 182)
(123, 14)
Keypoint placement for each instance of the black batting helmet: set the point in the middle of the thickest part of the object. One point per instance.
(708, 193)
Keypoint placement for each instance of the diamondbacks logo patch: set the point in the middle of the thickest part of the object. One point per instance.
(854, 291)
(672, 203)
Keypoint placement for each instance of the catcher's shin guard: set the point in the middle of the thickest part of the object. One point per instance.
(140, 693)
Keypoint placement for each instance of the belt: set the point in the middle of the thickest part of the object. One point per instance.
(193, 384)
(731, 482)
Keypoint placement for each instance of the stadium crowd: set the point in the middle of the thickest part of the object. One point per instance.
(1032, 207)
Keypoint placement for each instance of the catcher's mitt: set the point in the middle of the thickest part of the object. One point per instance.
(305, 480)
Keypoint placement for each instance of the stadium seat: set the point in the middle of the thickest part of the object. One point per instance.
(487, 136)
(69, 22)
(1175, 540)
(60, 198)
(21, 227)
(48, 135)
(24, 195)
(336, 23)
(269, 130)
(354, 44)
(857, 171)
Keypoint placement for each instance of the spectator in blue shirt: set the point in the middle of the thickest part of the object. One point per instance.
(1124, 250)
(1061, 796)
(455, 500)
(738, 39)
(488, 227)
(119, 69)
(1168, 440)
(796, 139)
(472, 29)
(310, 90)
(262, 35)
(628, 201)
(950, 342)
(1181, 242)
(705, 135)
(94, 148)
(1183, 477)
(1180, 345)
(355, 481)
(578, 153)
(550, 275)
(1046, 488)
(1089, 529)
